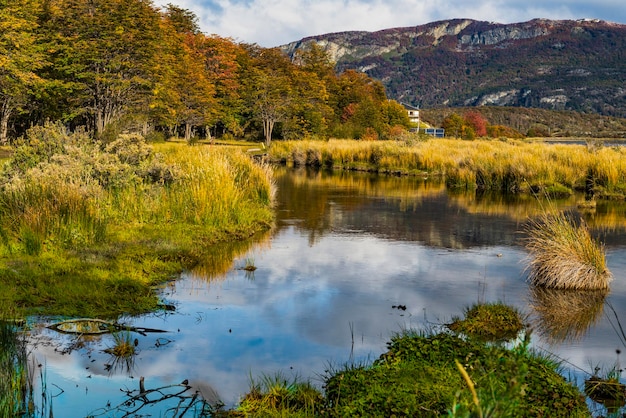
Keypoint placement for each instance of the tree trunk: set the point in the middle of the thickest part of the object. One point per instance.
(5, 113)
(187, 132)
(268, 127)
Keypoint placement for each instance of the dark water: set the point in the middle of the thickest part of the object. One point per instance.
(346, 249)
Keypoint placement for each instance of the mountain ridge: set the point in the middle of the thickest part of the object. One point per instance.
(552, 64)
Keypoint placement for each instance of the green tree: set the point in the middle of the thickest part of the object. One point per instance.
(311, 113)
(106, 49)
(453, 124)
(268, 87)
(20, 58)
(394, 114)
(182, 20)
(357, 101)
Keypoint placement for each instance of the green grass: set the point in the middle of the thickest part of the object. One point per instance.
(122, 351)
(418, 376)
(273, 396)
(564, 255)
(432, 375)
(489, 322)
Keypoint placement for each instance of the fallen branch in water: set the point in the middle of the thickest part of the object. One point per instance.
(94, 326)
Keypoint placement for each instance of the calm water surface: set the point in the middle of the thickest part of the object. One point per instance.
(346, 251)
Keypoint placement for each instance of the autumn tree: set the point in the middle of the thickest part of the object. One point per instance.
(222, 68)
(183, 93)
(476, 121)
(20, 58)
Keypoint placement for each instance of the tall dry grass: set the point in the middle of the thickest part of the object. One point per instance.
(63, 190)
(564, 255)
(511, 165)
(214, 188)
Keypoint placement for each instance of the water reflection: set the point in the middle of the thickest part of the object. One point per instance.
(566, 315)
(220, 259)
(347, 249)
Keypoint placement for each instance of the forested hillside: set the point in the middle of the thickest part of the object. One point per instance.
(558, 65)
(118, 65)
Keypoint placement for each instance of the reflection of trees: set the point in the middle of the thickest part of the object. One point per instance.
(565, 315)
(183, 399)
(414, 209)
(401, 208)
(607, 216)
(15, 385)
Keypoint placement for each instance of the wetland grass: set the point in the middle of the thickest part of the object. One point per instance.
(16, 394)
(278, 396)
(564, 255)
(122, 351)
(511, 166)
(418, 376)
(431, 375)
(88, 229)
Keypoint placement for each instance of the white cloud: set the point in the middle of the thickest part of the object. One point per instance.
(276, 22)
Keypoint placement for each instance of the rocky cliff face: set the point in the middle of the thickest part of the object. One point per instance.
(563, 65)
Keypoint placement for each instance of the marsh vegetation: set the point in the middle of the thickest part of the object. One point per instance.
(89, 227)
(564, 255)
(509, 166)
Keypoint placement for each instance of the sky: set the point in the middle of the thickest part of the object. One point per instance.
(270, 23)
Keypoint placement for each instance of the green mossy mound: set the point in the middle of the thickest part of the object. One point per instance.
(418, 377)
(489, 322)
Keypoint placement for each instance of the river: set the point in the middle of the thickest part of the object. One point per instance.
(347, 250)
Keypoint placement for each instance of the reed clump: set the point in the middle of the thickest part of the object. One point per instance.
(564, 255)
(489, 322)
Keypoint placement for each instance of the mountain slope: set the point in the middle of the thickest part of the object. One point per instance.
(563, 65)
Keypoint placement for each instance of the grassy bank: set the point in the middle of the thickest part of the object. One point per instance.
(506, 166)
(87, 229)
(454, 374)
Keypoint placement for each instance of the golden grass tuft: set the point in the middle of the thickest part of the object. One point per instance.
(564, 255)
